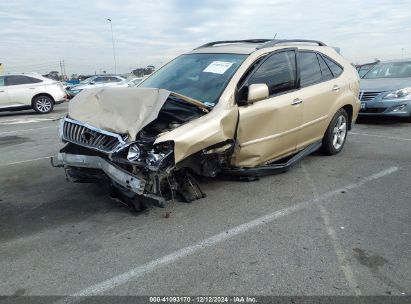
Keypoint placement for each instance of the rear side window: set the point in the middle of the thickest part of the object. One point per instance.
(1, 81)
(334, 67)
(278, 72)
(325, 70)
(21, 79)
(310, 71)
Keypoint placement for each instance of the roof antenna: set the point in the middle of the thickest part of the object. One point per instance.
(275, 35)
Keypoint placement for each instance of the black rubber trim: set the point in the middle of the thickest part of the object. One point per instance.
(276, 167)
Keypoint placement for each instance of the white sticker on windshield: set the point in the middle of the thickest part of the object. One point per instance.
(218, 67)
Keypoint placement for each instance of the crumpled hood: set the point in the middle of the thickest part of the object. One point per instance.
(117, 109)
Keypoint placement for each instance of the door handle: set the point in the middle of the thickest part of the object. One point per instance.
(1, 91)
(31, 88)
(336, 88)
(296, 101)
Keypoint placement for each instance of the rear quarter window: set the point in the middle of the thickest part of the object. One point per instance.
(335, 68)
(325, 70)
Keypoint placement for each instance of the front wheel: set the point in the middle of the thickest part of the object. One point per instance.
(43, 104)
(336, 134)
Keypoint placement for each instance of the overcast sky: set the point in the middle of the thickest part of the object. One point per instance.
(36, 35)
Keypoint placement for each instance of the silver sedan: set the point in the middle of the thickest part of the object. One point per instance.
(386, 90)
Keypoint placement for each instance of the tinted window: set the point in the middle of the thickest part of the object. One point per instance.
(335, 68)
(310, 72)
(1, 81)
(114, 79)
(98, 79)
(325, 70)
(278, 72)
(20, 79)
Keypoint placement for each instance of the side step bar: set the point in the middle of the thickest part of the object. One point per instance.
(275, 167)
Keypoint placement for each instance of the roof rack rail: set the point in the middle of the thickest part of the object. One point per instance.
(233, 41)
(274, 42)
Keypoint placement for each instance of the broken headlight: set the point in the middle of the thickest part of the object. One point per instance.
(133, 153)
(160, 155)
(140, 154)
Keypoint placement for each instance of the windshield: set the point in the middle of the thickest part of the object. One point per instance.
(390, 70)
(200, 76)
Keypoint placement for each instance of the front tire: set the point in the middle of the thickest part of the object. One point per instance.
(336, 134)
(43, 104)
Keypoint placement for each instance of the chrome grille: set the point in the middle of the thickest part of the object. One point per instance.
(90, 137)
(367, 96)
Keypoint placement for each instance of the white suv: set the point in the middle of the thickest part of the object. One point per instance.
(30, 90)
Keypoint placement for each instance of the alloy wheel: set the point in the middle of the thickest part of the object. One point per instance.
(339, 132)
(43, 104)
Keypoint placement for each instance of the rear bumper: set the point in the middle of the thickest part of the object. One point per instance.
(118, 175)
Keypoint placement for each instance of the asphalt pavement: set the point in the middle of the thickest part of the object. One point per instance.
(336, 225)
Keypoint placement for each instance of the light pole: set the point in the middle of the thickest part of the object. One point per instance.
(114, 51)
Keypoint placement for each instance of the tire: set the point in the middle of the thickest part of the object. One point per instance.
(336, 134)
(43, 104)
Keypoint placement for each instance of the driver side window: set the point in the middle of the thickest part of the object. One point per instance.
(278, 72)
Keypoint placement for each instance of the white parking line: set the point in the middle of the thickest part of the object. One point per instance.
(382, 136)
(25, 161)
(342, 259)
(213, 240)
(27, 130)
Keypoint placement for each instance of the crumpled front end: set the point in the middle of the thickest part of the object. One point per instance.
(132, 169)
(110, 137)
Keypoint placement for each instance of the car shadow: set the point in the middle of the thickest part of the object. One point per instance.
(381, 120)
(33, 208)
(17, 113)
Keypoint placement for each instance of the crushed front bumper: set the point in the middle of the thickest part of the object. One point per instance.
(117, 174)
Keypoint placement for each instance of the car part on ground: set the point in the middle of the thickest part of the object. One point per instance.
(238, 108)
(21, 91)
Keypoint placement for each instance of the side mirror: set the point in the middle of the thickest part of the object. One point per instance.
(91, 82)
(257, 91)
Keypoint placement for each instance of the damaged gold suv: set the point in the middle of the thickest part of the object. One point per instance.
(240, 108)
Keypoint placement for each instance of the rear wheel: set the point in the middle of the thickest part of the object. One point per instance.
(43, 104)
(336, 134)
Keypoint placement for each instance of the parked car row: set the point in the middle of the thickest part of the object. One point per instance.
(101, 81)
